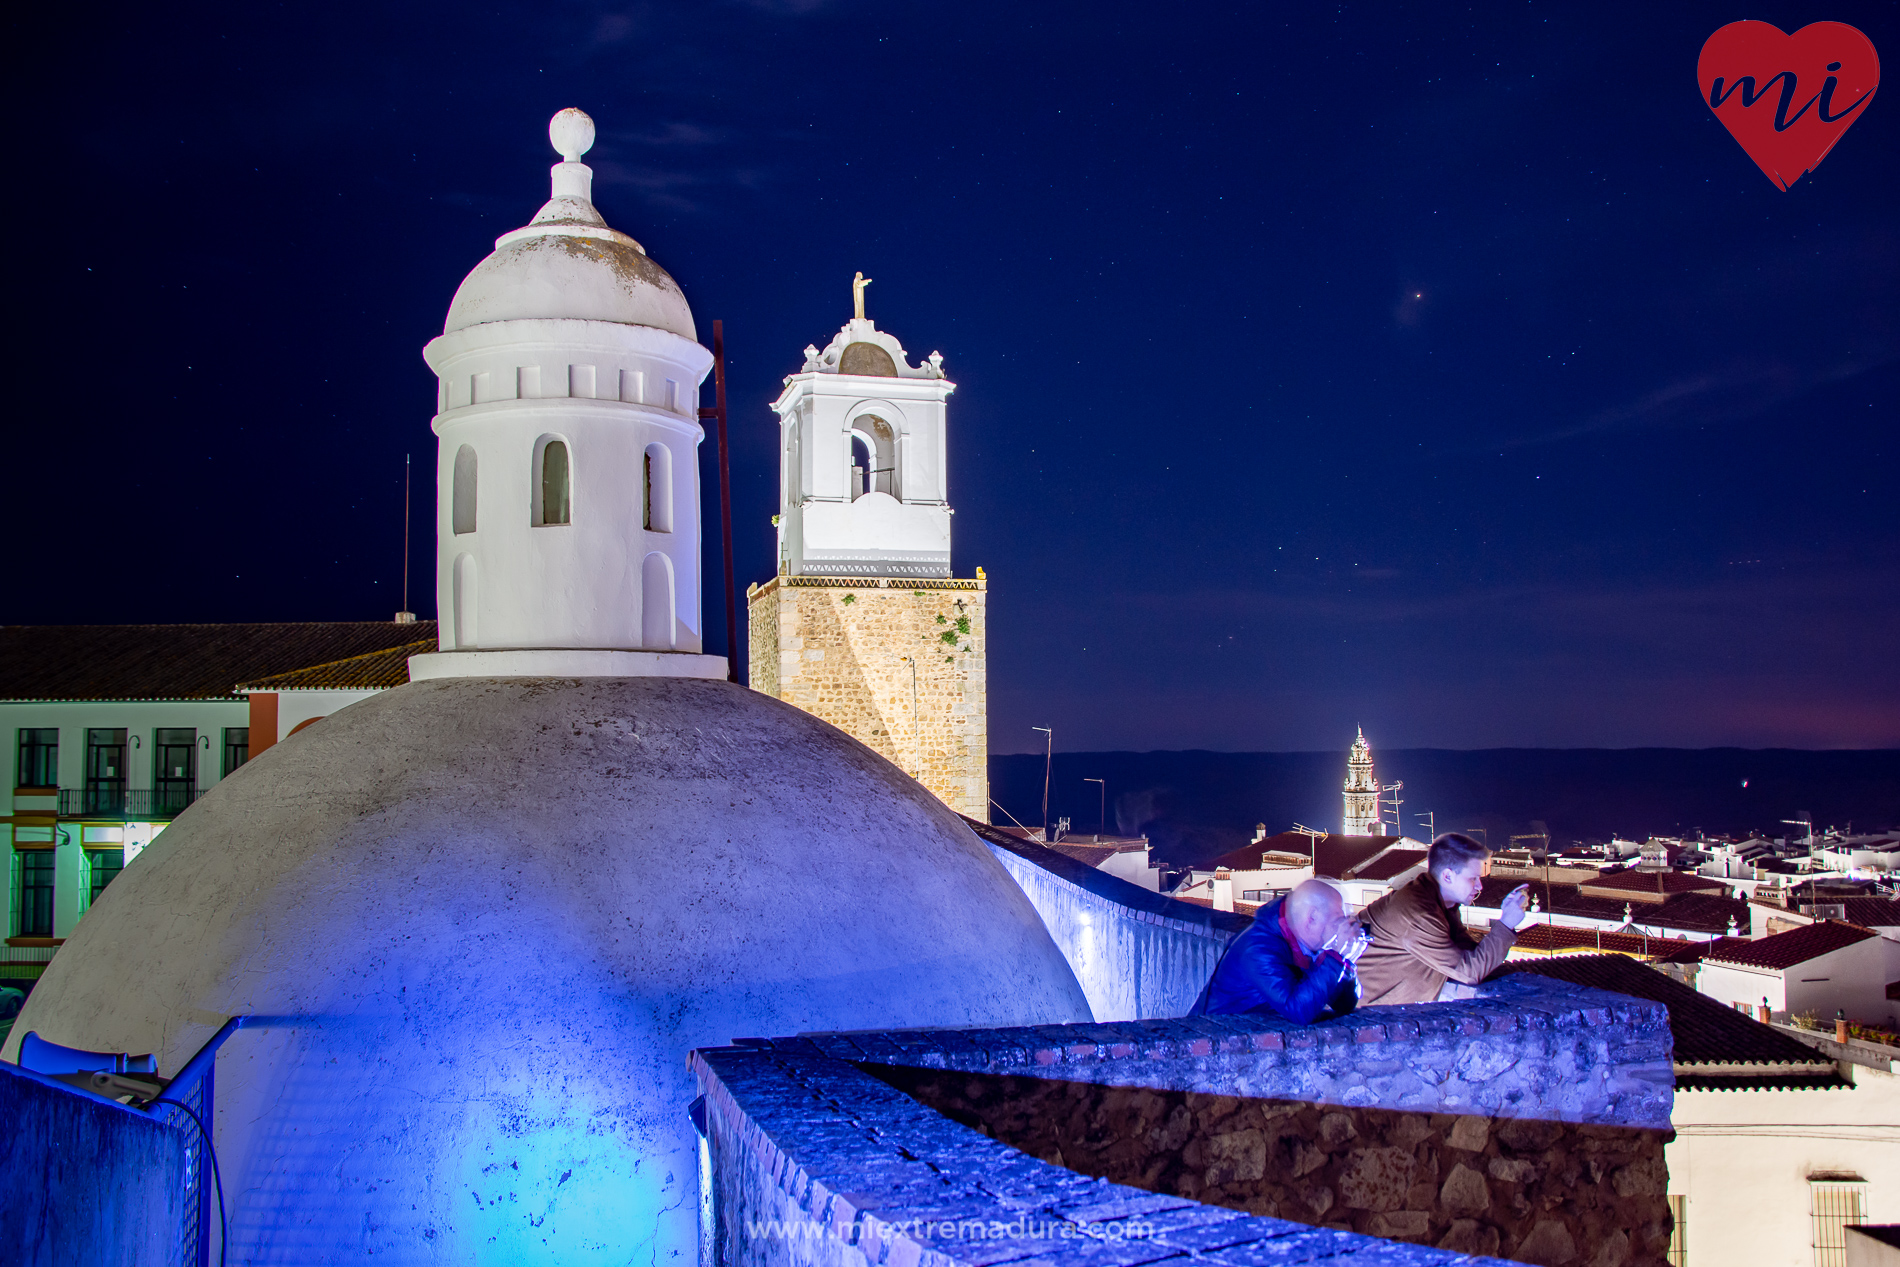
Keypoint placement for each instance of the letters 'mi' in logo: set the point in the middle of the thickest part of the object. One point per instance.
(1788, 98)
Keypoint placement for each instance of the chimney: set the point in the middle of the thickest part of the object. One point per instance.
(1223, 889)
(1762, 1012)
(1840, 1026)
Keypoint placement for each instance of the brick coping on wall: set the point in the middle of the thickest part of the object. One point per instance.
(1138, 1052)
(883, 1181)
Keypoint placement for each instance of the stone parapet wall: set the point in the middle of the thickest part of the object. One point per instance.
(88, 1180)
(812, 1163)
(1530, 1121)
(841, 649)
(1137, 955)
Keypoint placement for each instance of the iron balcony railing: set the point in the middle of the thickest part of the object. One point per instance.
(118, 802)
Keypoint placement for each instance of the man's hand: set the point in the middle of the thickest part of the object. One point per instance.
(1349, 940)
(1515, 902)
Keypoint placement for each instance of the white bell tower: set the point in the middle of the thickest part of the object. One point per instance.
(863, 482)
(1362, 817)
(567, 481)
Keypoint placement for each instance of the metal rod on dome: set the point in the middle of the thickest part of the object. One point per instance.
(405, 534)
(718, 413)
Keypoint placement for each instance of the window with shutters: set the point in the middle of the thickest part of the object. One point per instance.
(36, 892)
(1836, 1202)
(105, 771)
(237, 747)
(105, 865)
(174, 768)
(38, 764)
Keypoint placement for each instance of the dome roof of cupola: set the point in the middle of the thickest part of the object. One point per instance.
(567, 262)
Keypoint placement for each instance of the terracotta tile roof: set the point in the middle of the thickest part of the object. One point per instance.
(1559, 939)
(1240, 907)
(1389, 864)
(1716, 1046)
(1334, 854)
(371, 671)
(1868, 912)
(1689, 912)
(1697, 951)
(1797, 945)
(1872, 912)
(1653, 882)
(109, 662)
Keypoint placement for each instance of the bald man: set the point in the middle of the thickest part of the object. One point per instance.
(1296, 961)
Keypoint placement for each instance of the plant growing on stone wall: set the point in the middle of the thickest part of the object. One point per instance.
(963, 624)
(949, 636)
(941, 619)
(850, 598)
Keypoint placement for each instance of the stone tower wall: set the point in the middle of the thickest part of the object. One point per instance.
(835, 647)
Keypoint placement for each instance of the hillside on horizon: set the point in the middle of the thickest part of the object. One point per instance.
(1196, 805)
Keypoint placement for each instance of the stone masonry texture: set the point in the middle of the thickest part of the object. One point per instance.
(842, 649)
(1535, 1190)
(816, 1164)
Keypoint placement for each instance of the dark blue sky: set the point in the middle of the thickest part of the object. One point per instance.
(1449, 372)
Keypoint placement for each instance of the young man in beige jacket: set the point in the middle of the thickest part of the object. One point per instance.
(1420, 951)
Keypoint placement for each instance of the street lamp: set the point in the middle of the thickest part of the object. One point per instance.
(1101, 816)
(1048, 758)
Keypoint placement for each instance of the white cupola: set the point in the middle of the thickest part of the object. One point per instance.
(863, 459)
(567, 477)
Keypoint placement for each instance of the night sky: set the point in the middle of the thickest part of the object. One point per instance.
(1444, 370)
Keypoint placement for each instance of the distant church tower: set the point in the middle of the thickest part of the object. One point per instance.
(864, 625)
(1362, 792)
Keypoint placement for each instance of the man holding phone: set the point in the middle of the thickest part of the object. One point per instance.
(1295, 961)
(1420, 951)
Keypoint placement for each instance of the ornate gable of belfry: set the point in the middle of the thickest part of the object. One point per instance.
(861, 348)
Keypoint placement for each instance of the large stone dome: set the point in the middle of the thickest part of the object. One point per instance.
(481, 921)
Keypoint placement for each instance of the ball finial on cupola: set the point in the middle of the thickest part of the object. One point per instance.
(572, 132)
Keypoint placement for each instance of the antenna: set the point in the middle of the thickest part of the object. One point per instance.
(1803, 819)
(1381, 800)
(1048, 760)
(405, 616)
(1312, 841)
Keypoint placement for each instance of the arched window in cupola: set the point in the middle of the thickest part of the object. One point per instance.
(657, 478)
(462, 495)
(553, 498)
(873, 457)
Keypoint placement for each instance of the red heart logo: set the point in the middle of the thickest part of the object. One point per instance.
(1788, 98)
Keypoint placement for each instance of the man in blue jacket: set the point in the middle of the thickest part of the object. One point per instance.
(1296, 961)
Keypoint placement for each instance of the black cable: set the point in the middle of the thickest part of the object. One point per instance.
(211, 1151)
